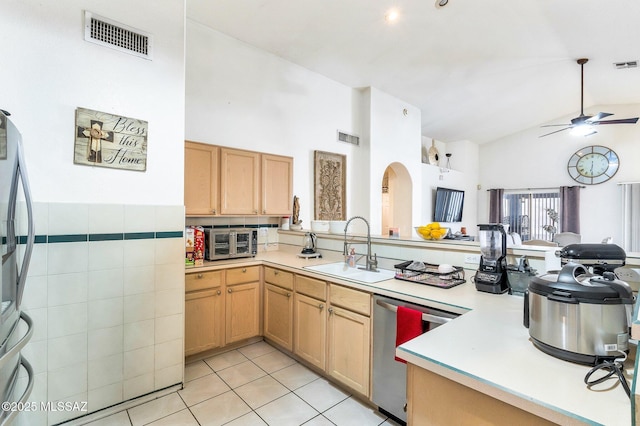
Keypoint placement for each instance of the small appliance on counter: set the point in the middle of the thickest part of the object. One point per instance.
(578, 316)
(230, 243)
(491, 276)
(309, 246)
(518, 276)
(599, 257)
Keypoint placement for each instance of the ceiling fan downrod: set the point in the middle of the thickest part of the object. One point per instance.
(581, 62)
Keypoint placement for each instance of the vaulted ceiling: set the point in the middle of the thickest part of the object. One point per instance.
(477, 69)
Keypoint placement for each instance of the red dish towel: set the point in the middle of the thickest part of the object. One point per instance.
(408, 326)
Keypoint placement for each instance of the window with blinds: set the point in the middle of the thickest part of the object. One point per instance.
(531, 213)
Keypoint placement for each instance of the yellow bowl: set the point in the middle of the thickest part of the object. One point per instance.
(430, 239)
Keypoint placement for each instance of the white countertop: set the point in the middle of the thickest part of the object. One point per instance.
(487, 348)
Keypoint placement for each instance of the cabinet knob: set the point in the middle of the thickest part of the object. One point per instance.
(321, 306)
(276, 272)
(244, 270)
(199, 276)
(288, 294)
(214, 211)
(255, 212)
(264, 212)
(229, 291)
(330, 310)
(219, 292)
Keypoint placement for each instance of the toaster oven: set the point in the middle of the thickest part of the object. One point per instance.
(230, 243)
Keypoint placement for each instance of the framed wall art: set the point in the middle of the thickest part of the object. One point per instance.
(330, 186)
(107, 140)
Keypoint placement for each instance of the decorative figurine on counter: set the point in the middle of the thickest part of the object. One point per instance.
(296, 223)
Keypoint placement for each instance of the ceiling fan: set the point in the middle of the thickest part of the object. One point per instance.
(582, 125)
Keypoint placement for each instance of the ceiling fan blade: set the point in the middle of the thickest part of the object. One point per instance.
(541, 136)
(555, 125)
(598, 116)
(621, 121)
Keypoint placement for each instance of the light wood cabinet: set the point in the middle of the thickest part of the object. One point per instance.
(204, 312)
(277, 185)
(242, 303)
(226, 181)
(310, 330)
(278, 315)
(201, 183)
(239, 182)
(349, 339)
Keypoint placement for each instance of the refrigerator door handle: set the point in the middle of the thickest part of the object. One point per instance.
(8, 354)
(31, 234)
(25, 395)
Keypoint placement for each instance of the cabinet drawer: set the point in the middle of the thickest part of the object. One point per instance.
(311, 287)
(202, 280)
(243, 275)
(278, 277)
(353, 300)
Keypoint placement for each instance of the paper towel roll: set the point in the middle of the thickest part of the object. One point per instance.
(551, 261)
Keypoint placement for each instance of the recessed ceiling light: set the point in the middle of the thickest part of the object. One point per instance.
(441, 3)
(391, 15)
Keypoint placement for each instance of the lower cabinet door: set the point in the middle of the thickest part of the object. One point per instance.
(310, 330)
(242, 311)
(203, 320)
(278, 315)
(349, 348)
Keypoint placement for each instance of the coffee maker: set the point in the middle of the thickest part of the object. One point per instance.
(309, 246)
(491, 276)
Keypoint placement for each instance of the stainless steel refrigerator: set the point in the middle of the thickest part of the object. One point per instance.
(16, 254)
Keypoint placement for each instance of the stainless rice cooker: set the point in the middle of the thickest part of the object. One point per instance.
(578, 316)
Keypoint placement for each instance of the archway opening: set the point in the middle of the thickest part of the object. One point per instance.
(397, 202)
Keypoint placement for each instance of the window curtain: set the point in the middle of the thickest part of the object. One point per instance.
(631, 216)
(495, 205)
(570, 209)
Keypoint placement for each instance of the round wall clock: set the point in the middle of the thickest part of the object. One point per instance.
(593, 164)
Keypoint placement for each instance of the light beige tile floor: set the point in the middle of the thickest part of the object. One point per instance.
(252, 386)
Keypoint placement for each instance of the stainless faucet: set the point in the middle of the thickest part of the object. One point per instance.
(372, 262)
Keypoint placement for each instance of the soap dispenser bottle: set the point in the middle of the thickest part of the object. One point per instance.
(351, 259)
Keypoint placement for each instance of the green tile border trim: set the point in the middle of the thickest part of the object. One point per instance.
(116, 236)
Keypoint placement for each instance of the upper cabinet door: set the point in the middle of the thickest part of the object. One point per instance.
(201, 179)
(239, 182)
(277, 185)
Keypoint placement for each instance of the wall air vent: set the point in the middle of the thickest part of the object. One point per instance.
(624, 65)
(117, 36)
(345, 137)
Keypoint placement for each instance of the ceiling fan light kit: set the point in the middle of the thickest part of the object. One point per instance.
(583, 125)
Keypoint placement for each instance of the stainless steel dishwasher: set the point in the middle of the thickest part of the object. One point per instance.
(390, 376)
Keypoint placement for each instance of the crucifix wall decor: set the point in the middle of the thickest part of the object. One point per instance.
(107, 140)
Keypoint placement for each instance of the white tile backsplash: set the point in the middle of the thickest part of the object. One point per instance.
(139, 218)
(67, 381)
(139, 253)
(106, 218)
(139, 279)
(139, 307)
(105, 284)
(67, 350)
(65, 289)
(105, 313)
(105, 341)
(68, 219)
(139, 334)
(105, 371)
(64, 258)
(104, 310)
(66, 320)
(106, 255)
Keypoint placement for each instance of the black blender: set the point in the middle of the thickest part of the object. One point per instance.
(491, 276)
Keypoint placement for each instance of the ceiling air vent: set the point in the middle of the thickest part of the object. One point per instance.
(117, 36)
(624, 65)
(345, 137)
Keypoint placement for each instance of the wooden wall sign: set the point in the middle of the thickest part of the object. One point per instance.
(330, 183)
(107, 140)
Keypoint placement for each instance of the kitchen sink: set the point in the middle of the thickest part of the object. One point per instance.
(341, 270)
